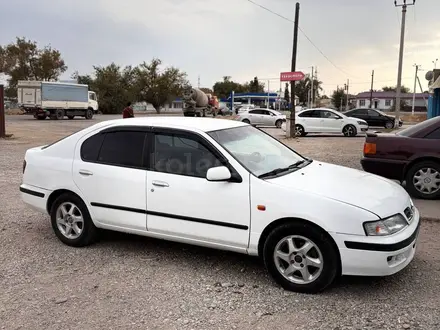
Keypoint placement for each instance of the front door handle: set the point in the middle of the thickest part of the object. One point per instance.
(85, 172)
(160, 184)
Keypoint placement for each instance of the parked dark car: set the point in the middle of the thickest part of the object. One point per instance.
(373, 117)
(411, 155)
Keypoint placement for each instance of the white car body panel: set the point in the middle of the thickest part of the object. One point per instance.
(335, 198)
(261, 119)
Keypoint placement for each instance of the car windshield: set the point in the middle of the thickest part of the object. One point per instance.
(257, 151)
(414, 129)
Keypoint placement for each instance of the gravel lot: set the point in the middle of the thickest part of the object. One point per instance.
(128, 282)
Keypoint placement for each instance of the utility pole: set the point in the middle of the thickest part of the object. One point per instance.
(292, 83)
(371, 89)
(414, 91)
(198, 82)
(435, 63)
(399, 70)
(2, 113)
(348, 89)
(312, 92)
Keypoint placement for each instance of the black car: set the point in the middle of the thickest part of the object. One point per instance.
(373, 117)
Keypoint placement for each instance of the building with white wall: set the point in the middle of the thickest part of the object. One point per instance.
(386, 100)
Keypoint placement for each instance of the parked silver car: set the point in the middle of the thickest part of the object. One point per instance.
(262, 117)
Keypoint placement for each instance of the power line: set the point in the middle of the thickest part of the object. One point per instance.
(305, 35)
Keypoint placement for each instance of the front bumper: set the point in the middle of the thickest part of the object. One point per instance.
(378, 256)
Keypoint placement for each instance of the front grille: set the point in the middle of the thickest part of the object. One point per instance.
(409, 213)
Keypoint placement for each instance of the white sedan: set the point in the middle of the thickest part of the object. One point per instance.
(322, 120)
(262, 117)
(163, 177)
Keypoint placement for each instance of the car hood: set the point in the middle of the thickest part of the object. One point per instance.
(358, 119)
(373, 193)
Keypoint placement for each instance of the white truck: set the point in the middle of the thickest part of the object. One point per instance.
(56, 100)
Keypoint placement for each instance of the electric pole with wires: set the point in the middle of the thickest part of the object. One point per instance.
(293, 68)
(404, 6)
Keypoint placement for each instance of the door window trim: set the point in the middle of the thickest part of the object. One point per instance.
(235, 176)
(115, 129)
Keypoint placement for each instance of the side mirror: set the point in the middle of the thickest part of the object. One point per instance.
(219, 173)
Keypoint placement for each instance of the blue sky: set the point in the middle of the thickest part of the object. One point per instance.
(214, 38)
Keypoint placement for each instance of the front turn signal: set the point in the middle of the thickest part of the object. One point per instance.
(369, 148)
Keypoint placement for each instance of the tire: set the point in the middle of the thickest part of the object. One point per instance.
(278, 123)
(88, 231)
(41, 117)
(246, 121)
(299, 130)
(349, 131)
(59, 114)
(322, 250)
(89, 114)
(389, 125)
(198, 114)
(416, 180)
(70, 117)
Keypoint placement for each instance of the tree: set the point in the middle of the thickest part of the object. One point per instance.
(159, 87)
(23, 60)
(339, 98)
(303, 88)
(403, 89)
(254, 86)
(287, 93)
(223, 89)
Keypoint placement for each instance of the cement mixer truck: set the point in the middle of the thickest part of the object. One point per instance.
(197, 103)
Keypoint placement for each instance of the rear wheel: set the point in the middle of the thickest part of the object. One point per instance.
(423, 180)
(246, 121)
(299, 131)
(301, 258)
(349, 131)
(59, 114)
(71, 221)
(41, 117)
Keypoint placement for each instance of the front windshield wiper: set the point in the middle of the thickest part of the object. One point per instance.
(283, 169)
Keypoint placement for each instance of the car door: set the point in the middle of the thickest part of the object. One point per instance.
(255, 117)
(268, 118)
(374, 118)
(110, 171)
(359, 113)
(182, 203)
(330, 122)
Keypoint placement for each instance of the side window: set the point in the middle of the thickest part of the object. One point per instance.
(328, 114)
(373, 113)
(182, 155)
(266, 113)
(434, 135)
(306, 114)
(123, 148)
(361, 112)
(90, 147)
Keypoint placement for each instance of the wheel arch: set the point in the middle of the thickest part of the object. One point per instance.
(279, 222)
(419, 160)
(57, 193)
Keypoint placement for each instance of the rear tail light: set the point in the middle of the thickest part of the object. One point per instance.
(24, 165)
(369, 148)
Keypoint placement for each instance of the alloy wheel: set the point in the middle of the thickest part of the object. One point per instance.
(298, 259)
(69, 220)
(427, 180)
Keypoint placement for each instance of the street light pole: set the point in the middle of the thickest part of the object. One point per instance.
(414, 92)
(399, 70)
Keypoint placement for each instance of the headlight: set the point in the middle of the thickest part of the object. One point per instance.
(386, 226)
(361, 123)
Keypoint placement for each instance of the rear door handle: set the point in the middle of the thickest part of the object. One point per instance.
(160, 184)
(85, 172)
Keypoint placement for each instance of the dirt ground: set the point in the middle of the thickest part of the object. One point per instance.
(128, 282)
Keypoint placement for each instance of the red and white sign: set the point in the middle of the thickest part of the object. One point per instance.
(291, 76)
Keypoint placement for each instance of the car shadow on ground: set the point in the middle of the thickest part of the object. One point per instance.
(239, 267)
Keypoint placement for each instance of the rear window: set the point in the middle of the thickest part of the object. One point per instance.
(413, 130)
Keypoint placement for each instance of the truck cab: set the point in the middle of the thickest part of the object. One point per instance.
(93, 101)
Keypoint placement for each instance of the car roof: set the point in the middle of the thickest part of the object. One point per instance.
(177, 122)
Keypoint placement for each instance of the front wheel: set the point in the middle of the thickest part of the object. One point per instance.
(301, 258)
(279, 123)
(423, 180)
(89, 114)
(71, 221)
(349, 131)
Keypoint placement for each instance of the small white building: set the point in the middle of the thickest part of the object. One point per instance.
(386, 100)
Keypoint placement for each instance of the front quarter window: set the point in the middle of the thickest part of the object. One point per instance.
(258, 152)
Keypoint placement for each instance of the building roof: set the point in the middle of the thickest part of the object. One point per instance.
(188, 123)
(390, 95)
